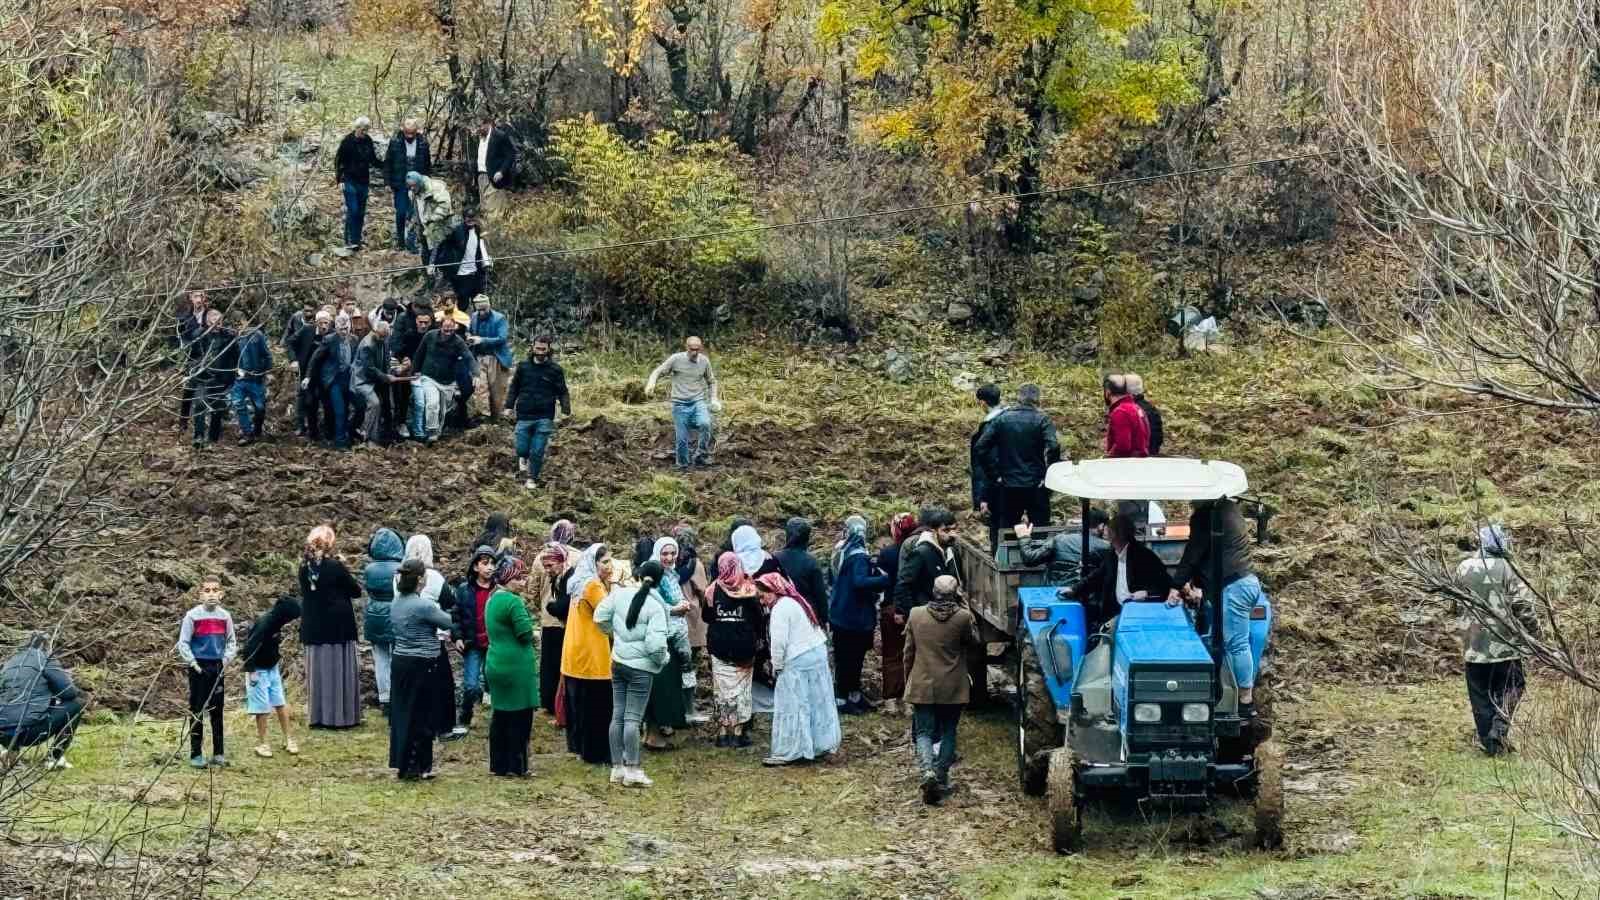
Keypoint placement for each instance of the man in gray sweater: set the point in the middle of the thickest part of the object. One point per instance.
(694, 399)
(38, 702)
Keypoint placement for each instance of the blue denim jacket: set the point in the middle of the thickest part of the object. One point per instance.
(496, 334)
(255, 356)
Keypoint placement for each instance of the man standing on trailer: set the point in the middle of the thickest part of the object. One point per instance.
(982, 482)
(1017, 448)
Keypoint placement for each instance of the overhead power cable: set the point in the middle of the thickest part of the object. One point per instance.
(803, 223)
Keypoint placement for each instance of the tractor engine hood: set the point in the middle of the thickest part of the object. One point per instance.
(1161, 666)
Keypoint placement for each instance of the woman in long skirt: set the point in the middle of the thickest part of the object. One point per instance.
(805, 722)
(554, 566)
(586, 660)
(328, 630)
(511, 670)
(441, 707)
(415, 622)
(733, 634)
(669, 707)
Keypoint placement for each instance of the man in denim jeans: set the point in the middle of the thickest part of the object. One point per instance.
(536, 387)
(249, 394)
(352, 167)
(1240, 591)
(694, 399)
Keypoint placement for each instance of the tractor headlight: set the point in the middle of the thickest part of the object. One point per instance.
(1196, 712)
(1146, 713)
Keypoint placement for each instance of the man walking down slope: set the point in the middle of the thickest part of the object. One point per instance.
(694, 399)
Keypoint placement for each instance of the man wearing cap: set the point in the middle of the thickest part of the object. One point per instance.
(489, 337)
(1497, 622)
(431, 208)
(1151, 414)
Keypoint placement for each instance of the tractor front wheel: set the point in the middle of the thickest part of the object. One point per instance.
(1064, 802)
(1269, 796)
(1038, 732)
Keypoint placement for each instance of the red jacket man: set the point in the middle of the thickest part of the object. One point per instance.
(1127, 428)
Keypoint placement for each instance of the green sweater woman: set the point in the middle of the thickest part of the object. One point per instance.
(511, 670)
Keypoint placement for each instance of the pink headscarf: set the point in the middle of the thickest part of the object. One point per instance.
(783, 587)
(730, 574)
(901, 527)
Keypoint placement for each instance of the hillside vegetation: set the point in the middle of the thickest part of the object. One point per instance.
(890, 203)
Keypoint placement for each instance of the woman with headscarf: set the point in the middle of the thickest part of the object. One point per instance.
(586, 659)
(328, 630)
(853, 612)
(669, 706)
(732, 637)
(747, 545)
(638, 629)
(892, 633)
(547, 585)
(416, 623)
(734, 524)
(441, 695)
(553, 614)
(694, 579)
(805, 723)
(511, 670)
(754, 559)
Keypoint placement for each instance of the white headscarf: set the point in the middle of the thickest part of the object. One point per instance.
(419, 546)
(670, 591)
(587, 569)
(747, 546)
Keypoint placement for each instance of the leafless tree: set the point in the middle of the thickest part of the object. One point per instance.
(1478, 157)
(1478, 139)
(94, 250)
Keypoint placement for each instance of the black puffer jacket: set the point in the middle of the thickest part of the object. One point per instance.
(1018, 446)
(801, 568)
(921, 563)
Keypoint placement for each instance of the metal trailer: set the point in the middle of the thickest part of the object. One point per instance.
(1075, 691)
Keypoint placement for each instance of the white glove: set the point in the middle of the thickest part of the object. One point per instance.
(431, 271)
(305, 383)
(716, 406)
(238, 373)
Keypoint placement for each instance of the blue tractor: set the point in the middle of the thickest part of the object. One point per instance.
(1146, 707)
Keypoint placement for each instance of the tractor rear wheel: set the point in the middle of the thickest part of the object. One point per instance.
(1269, 796)
(1064, 802)
(1038, 732)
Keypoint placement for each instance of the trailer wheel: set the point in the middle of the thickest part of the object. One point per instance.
(1038, 732)
(1064, 802)
(1269, 796)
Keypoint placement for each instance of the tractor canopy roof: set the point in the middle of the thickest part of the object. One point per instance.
(1157, 478)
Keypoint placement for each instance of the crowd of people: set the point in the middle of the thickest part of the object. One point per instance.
(408, 371)
(625, 654)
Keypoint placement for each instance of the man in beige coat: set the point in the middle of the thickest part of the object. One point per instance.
(938, 637)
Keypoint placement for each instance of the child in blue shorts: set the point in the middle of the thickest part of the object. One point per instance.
(263, 681)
